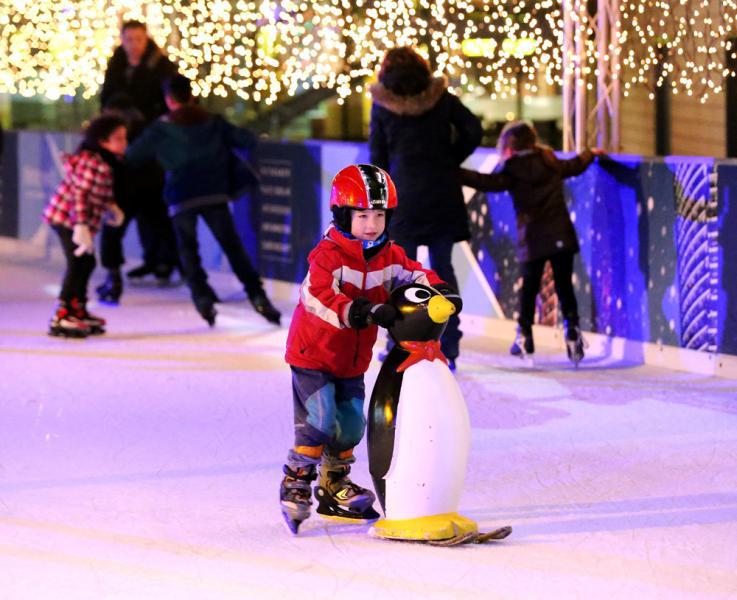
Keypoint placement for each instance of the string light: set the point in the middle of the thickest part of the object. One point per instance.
(263, 50)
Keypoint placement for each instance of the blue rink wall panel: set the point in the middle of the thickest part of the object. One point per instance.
(658, 260)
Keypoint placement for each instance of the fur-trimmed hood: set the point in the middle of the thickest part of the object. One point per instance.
(410, 105)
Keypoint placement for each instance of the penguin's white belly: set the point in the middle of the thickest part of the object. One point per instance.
(431, 444)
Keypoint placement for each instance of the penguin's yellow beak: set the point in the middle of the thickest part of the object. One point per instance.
(440, 309)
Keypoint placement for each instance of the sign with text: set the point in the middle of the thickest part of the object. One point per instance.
(9, 186)
(290, 208)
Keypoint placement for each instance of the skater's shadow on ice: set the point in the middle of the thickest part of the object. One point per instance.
(513, 400)
(315, 528)
(103, 480)
(549, 362)
(623, 515)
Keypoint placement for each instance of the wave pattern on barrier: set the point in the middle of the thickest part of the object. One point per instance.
(698, 254)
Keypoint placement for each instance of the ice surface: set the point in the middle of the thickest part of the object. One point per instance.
(145, 464)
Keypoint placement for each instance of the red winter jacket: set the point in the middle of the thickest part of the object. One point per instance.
(318, 338)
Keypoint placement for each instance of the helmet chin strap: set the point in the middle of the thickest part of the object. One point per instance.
(367, 244)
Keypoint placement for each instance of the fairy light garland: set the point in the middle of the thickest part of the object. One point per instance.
(262, 50)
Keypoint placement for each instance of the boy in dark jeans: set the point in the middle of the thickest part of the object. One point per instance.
(194, 148)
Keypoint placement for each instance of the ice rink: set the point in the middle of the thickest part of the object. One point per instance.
(146, 464)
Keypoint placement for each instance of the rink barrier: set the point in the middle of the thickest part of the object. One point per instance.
(658, 261)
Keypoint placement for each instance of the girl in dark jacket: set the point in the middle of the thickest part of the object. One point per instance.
(420, 133)
(534, 176)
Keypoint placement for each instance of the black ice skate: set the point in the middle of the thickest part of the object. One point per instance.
(339, 499)
(523, 344)
(295, 495)
(208, 312)
(65, 323)
(163, 273)
(141, 271)
(111, 289)
(265, 308)
(575, 344)
(95, 324)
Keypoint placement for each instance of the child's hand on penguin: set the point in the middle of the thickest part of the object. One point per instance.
(363, 313)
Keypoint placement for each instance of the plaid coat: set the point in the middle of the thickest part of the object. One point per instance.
(85, 193)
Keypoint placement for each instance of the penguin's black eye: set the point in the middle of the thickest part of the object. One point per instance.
(417, 295)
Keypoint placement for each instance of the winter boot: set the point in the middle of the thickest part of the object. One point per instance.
(111, 289)
(65, 323)
(575, 344)
(523, 344)
(295, 495)
(95, 324)
(265, 308)
(340, 499)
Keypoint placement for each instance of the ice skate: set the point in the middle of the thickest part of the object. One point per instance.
(65, 323)
(212, 295)
(295, 495)
(523, 344)
(111, 289)
(95, 324)
(208, 312)
(339, 499)
(141, 271)
(163, 274)
(575, 344)
(265, 308)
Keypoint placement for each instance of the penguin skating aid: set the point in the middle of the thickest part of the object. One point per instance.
(419, 431)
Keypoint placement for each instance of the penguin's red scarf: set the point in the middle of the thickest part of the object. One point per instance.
(418, 351)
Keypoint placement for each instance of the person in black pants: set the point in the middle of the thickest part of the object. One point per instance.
(138, 191)
(420, 133)
(132, 88)
(195, 148)
(83, 200)
(534, 177)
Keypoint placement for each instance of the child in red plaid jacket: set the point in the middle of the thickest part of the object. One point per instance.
(76, 211)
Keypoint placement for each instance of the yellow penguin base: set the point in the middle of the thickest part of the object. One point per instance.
(435, 527)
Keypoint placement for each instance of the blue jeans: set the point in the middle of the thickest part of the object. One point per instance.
(441, 252)
(328, 410)
(219, 220)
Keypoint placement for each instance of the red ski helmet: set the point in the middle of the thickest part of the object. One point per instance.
(363, 187)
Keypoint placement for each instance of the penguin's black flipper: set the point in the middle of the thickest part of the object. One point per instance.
(382, 420)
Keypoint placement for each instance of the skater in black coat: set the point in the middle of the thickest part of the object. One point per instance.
(534, 176)
(133, 88)
(420, 133)
(138, 68)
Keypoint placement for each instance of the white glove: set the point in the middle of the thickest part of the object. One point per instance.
(114, 215)
(82, 237)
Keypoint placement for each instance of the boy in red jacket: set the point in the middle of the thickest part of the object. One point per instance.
(331, 338)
